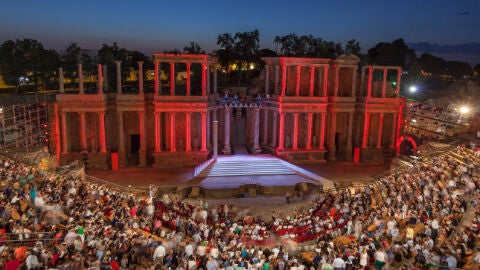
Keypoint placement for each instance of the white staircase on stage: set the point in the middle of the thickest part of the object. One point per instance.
(243, 165)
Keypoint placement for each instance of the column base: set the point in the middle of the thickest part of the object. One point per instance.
(227, 150)
(256, 149)
(142, 156)
(332, 155)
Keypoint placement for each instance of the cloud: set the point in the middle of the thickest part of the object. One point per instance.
(464, 13)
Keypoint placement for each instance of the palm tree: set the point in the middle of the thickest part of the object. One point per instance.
(194, 48)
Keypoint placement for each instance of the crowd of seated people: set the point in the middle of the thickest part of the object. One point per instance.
(409, 218)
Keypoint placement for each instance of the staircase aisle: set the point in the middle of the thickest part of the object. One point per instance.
(243, 165)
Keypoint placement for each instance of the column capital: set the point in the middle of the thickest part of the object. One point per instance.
(118, 62)
(140, 63)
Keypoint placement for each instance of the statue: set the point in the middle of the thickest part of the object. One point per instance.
(288, 141)
(180, 145)
(196, 144)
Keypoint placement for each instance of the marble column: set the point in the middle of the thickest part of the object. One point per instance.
(83, 137)
(337, 80)
(188, 143)
(399, 78)
(173, 146)
(158, 131)
(297, 82)
(204, 132)
(61, 84)
(172, 79)
(215, 79)
(140, 77)
(80, 79)
(122, 159)
(274, 129)
(354, 80)
(142, 153)
(267, 80)
(156, 79)
(323, 128)
(309, 130)
(265, 126)
(369, 81)
(284, 80)
(332, 149)
(101, 122)
(350, 129)
(325, 80)
(380, 131)
(215, 140)
(187, 81)
(312, 81)
(105, 78)
(64, 133)
(226, 147)
(281, 132)
(384, 82)
(119, 76)
(295, 131)
(366, 130)
(209, 136)
(99, 79)
(256, 137)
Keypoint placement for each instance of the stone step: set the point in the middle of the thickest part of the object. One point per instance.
(250, 166)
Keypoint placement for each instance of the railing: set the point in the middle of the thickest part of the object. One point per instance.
(201, 167)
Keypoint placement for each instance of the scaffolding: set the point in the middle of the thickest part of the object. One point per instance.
(24, 126)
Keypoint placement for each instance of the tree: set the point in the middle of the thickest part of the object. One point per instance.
(396, 53)
(107, 55)
(70, 59)
(307, 46)
(193, 48)
(476, 69)
(246, 46)
(226, 54)
(353, 47)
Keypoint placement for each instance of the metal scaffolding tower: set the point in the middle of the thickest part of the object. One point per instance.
(24, 126)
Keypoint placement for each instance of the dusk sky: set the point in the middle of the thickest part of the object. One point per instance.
(155, 26)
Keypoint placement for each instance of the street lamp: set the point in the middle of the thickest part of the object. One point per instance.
(464, 110)
(413, 89)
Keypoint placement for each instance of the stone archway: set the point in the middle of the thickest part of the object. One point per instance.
(409, 140)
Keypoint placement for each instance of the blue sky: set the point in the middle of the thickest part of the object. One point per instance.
(155, 26)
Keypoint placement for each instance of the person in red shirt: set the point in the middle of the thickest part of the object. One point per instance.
(12, 263)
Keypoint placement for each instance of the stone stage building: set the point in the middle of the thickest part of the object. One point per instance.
(305, 110)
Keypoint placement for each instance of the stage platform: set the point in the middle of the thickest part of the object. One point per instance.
(242, 180)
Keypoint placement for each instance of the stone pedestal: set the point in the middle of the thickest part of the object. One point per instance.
(178, 159)
(142, 155)
(122, 158)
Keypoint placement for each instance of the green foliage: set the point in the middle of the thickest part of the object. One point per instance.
(396, 53)
(193, 48)
(310, 46)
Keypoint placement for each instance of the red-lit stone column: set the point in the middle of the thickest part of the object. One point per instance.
(312, 80)
(142, 153)
(275, 91)
(337, 80)
(366, 130)
(274, 129)
(331, 145)
(101, 128)
(325, 81)
(99, 79)
(265, 126)
(58, 147)
(399, 78)
(119, 76)
(204, 79)
(140, 77)
(350, 129)
(323, 128)
(61, 85)
(80, 79)
(295, 131)
(256, 132)
(83, 137)
(172, 78)
(384, 82)
(281, 132)
(122, 158)
(173, 146)
(204, 132)
(64, 133)
(188, 64)
(284, 80)
(209, 136)
(400, 123)
(309, 130)
(394, 131)
(188, 143)
(297, 82)
(156, 79)
(226, 147)
(157, 132)
(369, 82)
(380, 131)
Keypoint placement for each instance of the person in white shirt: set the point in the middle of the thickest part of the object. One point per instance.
(159, 253)
(338, 263)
